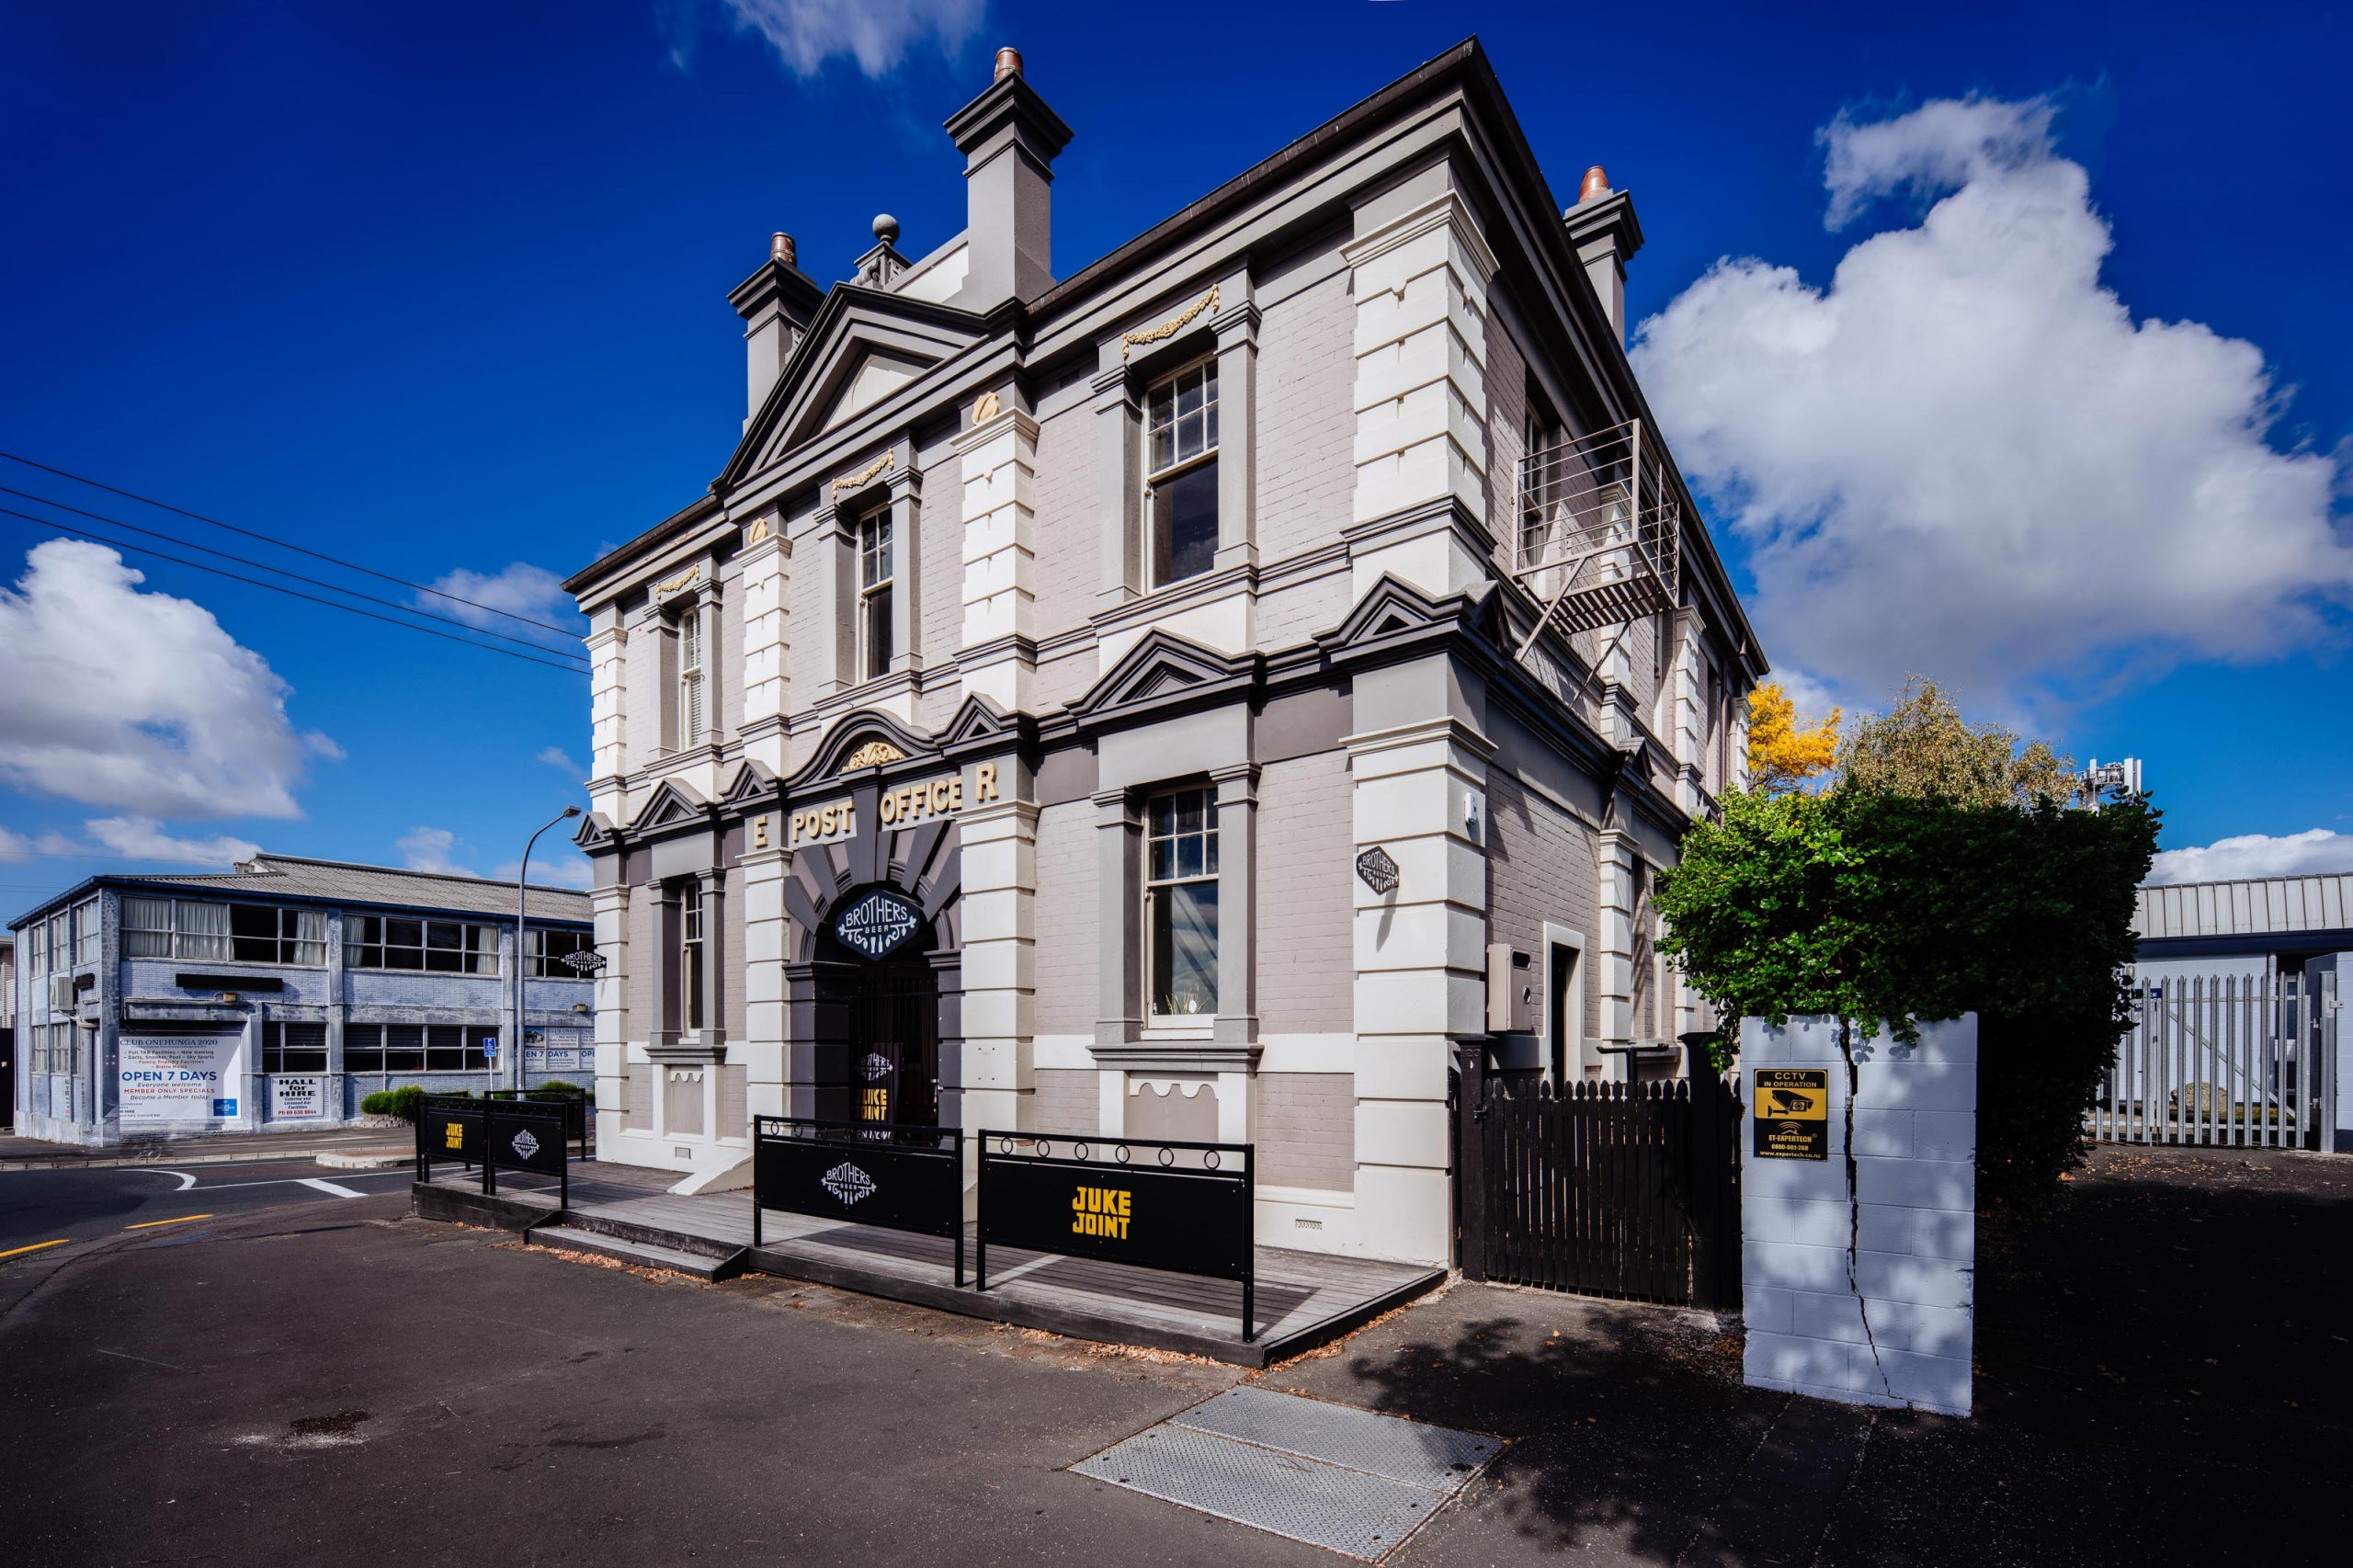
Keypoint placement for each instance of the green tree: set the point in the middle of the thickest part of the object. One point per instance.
(1934, 878)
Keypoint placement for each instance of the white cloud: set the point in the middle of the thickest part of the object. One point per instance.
(139, 700)
(14, 846)
(557, 757)
(559, 870)
(144, 838)
(2257, 855)
(517, 588)
(875, 33)
(431, 849)
(1965, 458)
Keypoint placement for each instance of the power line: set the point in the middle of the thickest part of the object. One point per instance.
(95, 537)
(282, 544)
(297, 576)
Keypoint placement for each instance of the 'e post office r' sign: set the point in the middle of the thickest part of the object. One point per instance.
(1790, 1108)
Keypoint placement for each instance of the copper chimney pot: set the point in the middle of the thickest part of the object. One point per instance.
(1596, 186)
(781, 248)
(1008, 62)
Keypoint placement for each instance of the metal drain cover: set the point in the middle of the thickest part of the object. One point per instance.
(1330, 1475)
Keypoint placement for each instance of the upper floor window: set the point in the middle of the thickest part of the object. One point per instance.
(258, 934)
(443, 947)
(692, 693)
(86, 932)
(874, 648)
(1180, 481)
(174, 929)
(60, 942)
(549, 947)
(1180, 902)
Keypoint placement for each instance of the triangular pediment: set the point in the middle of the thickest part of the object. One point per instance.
(753, 783)
(673, 801)
(1163, 668)
(863, 349)
(596, 832)
(1393, 609)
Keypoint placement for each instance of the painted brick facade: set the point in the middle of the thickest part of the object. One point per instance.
(1306, 1130)
(1307, 850)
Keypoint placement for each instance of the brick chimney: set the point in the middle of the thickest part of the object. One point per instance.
(1009, 139)
(776, 303)
(1603, 228)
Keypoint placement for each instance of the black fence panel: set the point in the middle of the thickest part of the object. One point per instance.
(1629, 1190)
(515, 1135)
(892, 1177)
(1176, 1207)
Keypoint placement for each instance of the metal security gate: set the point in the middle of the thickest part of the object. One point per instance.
(894, 1044)
(1629, 1191)
(2238, 1061)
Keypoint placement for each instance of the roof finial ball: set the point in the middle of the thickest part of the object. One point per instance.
(781, 248)
(1596, 186)
(886, 228)
(1008, 62)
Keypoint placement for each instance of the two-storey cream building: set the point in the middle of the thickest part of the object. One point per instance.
(1197, 696)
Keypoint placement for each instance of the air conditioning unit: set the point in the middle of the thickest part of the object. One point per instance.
(60, 993)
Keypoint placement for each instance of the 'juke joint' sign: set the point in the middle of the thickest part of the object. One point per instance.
(1101, 1211)
(1192, 1221)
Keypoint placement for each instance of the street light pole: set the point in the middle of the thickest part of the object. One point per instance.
(522, 873)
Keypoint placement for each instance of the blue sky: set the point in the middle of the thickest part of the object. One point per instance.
(439, 289)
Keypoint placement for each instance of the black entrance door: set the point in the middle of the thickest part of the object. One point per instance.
(894, 1043)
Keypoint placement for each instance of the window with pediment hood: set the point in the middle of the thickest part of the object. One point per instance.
(875, 574)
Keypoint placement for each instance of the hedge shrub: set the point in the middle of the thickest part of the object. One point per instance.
(405, 1102)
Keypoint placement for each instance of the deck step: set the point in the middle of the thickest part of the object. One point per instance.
(703, 1265)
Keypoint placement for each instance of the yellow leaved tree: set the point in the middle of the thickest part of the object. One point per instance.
(1784, 751)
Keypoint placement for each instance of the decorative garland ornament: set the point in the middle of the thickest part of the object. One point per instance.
(1169, 328)
(854, 481)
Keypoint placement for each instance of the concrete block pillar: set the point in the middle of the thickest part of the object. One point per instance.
(999, 838)
(767, 559)
(1419, 279)
(767, 1026)
(1858, 1269)
(1420, 985)
(999, 656)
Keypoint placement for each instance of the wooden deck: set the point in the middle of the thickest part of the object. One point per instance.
(1303, 1300)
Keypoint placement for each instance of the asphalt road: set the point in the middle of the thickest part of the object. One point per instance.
(322, 1380)
(40, 1207)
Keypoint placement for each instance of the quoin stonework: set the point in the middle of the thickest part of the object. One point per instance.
(1197, 696)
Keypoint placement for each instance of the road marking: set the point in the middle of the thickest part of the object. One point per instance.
(151, 1224)
(187, 1180)
(14, 1251)
(128, 1357)
(330, 1188)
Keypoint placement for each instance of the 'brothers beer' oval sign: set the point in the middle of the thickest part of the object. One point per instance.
(879, 923)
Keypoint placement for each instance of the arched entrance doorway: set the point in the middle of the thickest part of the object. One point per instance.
(874, 966)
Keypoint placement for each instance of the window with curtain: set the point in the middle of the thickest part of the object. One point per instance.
(550, 946)
(445, 946)
(1180, 902)
(86, 932)
(1180, 481)
(259, 934)
(177, 928)
(874, 646)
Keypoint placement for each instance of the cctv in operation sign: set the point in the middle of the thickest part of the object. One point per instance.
(1789, 1107)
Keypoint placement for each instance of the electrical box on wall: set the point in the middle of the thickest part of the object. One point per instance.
(1512, 980)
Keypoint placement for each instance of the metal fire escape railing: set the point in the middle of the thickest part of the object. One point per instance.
(1599, 532)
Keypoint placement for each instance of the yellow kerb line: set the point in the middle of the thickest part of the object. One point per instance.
(14, 1251)
(151, 1224)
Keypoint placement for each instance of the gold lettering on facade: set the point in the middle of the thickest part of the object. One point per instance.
(873, 754)
(984, 408)
(1131, 341)
(687, 578)
(854, 481)
(759, 833)
(985, 783)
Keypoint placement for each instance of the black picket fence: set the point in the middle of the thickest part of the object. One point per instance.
(1629, 1191)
